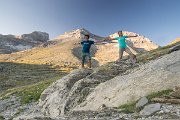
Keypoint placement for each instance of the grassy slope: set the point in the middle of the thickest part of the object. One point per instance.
(153, 54)
(28, 73)
(27, 80)
(58, 55)
(39, 64)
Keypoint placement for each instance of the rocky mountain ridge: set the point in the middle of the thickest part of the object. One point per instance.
(12, 43)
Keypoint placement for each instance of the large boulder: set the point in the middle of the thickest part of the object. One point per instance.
(70, 91)
(157, 75)
(54, 99)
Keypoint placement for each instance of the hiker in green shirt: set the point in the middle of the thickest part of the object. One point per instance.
(123, 47)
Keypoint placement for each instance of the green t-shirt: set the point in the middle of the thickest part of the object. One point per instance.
(121, 41)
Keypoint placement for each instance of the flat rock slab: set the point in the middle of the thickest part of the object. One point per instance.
(150, 109)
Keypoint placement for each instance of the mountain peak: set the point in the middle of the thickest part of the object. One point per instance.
(78, 33)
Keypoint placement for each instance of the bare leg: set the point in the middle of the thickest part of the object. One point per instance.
(89, 63)
(83, 60)
(121, 50)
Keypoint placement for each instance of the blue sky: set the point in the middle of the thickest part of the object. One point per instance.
(155, 19)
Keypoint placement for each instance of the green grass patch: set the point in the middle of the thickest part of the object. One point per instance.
(28, 93)
(19, 74)
(153, 54)
(159, 94)
(32, 93)
(128, 107)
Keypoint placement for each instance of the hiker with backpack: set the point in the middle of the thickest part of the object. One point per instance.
(123, 47)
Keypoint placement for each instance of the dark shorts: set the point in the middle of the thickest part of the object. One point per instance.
(86, 55)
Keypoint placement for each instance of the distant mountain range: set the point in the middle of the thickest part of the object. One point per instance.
(12, 43)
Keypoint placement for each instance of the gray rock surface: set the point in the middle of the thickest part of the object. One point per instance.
(54, 99)
(11, 107)
(143, 101)
(93, 89)
(70, 91)
(161, 74)
(150, 109)
(167, 111)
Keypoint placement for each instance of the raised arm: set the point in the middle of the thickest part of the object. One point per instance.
(131, 36)
(109, 38)
(98, 41)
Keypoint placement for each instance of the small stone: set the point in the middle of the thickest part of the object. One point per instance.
(143, 101)
(166, 110)
(150, 109)
(102, 107)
